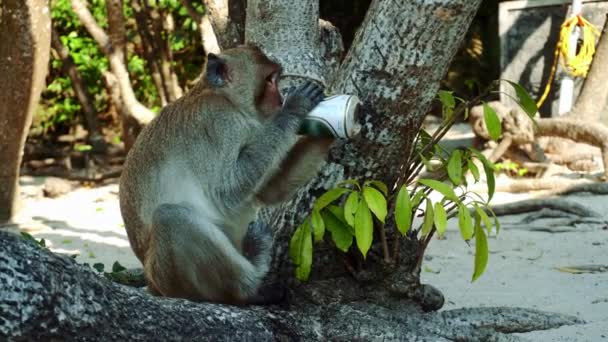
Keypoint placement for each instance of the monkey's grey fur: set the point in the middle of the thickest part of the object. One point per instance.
(199, 172)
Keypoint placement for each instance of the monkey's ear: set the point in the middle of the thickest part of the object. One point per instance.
(217, 70)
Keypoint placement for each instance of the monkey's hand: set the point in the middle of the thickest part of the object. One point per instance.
(302, 100)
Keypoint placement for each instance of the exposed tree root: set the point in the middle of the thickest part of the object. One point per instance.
(537, 204)
(593, 188)
(527, 185)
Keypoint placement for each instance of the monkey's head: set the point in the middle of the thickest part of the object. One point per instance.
(247, 76)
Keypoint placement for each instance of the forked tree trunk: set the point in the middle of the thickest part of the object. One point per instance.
(398, 57)
(396, 61)
(25, 40)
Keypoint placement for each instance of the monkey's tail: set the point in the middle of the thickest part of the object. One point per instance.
(190, 258)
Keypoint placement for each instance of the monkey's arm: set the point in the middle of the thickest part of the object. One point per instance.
(301, 164)
(259, 157)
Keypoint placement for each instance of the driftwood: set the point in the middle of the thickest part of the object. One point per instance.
(520, 133)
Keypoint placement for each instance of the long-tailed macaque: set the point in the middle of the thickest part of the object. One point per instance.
(199, 172)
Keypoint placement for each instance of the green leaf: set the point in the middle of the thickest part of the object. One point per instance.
(83, 148)
(447, 98)
(496, 222)
(474, 169)
(427, 223)
(525, 100)
(403, 211)
(448, 102)
(440, 219)
(481, 251)
(339, 214)
(424, 138)
(364, 228)
(427, 163)
(444, 189)
(484, 217)
(455, 167)
(329, 197)
(340, 232)
(418, 198)
(303, 269)
(300, 250)
(465, 222)
(98, 267)
(379, 185)
(318, 226)
(376, 202)
(489, 168)
(350, 208)
(491, 181)
(492, 122)
(296, 242)
(117, 267)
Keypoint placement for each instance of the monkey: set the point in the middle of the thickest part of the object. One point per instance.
(197, 175)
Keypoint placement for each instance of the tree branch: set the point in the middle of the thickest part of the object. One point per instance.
(84, 97)
(594, 94)
(117, 64)
(227, 17)
(48, 297)
(208, 37)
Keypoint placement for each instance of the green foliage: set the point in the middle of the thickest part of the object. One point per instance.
(492, 122)
(40, 243)
(403, 211)
(511, 168)
(524, 99)
(59, 106)
(348, 210)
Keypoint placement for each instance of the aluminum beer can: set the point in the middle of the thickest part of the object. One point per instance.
(336, 116)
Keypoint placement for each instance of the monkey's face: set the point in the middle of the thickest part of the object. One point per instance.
(247, 75)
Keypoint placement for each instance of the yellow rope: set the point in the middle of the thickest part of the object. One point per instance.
(577, 65)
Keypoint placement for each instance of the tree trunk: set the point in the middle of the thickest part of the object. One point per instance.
(25, 35)
(593, 98)
(84, 97)
(395, 65)
(50, 297)
(147, 43)
(228, 21)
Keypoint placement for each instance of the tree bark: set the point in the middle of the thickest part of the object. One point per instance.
(84, 97)
(395, 65)
(50, 297)
(228, 21)
(25, 33)
(149, 48)
(593, 98)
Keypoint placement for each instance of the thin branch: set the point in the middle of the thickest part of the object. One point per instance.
(209, 39)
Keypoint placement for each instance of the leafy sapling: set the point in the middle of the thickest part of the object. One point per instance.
(352, 210)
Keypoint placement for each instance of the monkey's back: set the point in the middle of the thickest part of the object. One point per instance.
(159, 166)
